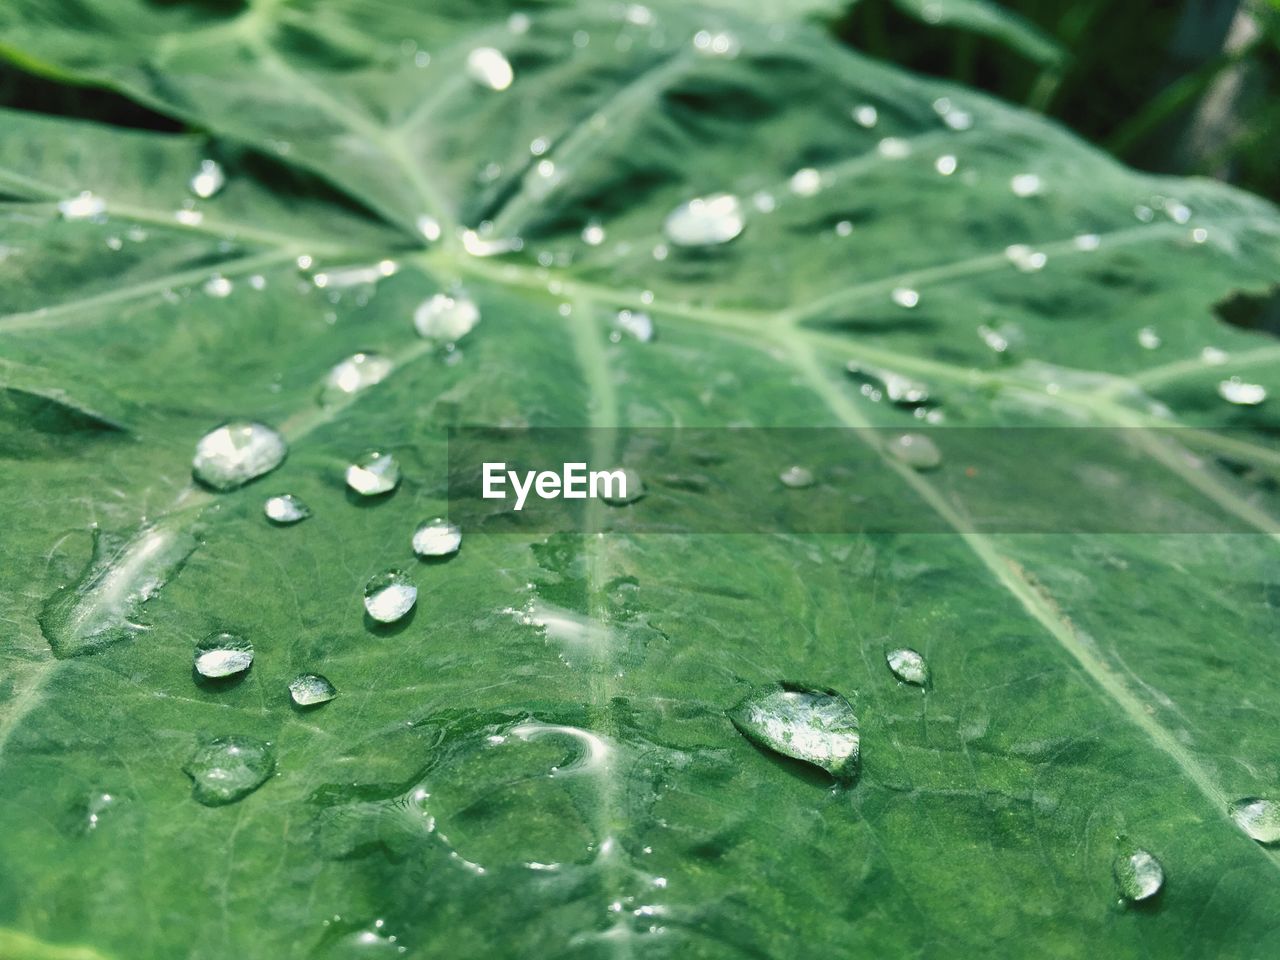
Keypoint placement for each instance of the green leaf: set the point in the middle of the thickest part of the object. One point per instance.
(989, 19)
(539, 759)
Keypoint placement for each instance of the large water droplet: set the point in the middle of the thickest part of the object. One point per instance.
(231, 455)
(223, 655)
(389, 595)
(1258, 817)
(82, 207)
(816, 726)
(490, 68)
(705, 221)
(620, 494)
(1241, 393)
(437, 538)
(915, 450)
(797, 478)
(208, 180)
(374, 474)
(908, 666)
(285, 509)
(228, 769)
(899, 389)
(310, 689)
(635, 324)
(446, 318)
(1138, 874)
(355, 373)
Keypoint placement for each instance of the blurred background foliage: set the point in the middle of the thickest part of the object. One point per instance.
(1181, 87)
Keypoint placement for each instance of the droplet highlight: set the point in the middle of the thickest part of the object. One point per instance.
(1240, 393)
(223, 655)
(705, 221)
(389, 595)
(908, 666)
(228, 769)
(208, 180)
(489, 67)
(916, 451)
(445, 318)
(353, 374)
(1139, 875)
(285, 509)
(311, 689)
(1259, 817)
(437, 538)
(816, 726)
(374, 474)
(231, 455)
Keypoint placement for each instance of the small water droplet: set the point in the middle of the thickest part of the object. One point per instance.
(816, 726)
(389, 595)
(1237, 391)
(946, 164)
(82, 207)
(429, 227)
(1087, 241)
(899, 389)
(894, 148)
(865, 115)
(223, 655)
(1138, 874)
(806, 182)
(593, 234)
(228, 769)
(908, 666)
(705, 221)
(437, 538)
(796, 477)
(208, 180)
(311, 689)
(1199, 235)
(635, 324)
(1258, 817)
(490, 68)
(1148, 339)
(374, 474)
(1024, 258)
(231, 455)
(1025, 184)
(844, 228)
(916, 451)
(188, 217)
(720, 44)
(218, 286)
(1144, 213)
(445, 318)
(764, 201)
(285, 509)
(619, 495)
(355, 373)
(1214, 357)
(905, 297)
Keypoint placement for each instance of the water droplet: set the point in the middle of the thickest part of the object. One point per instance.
(1241, 393)
(764, 201)
(389, 595)
(208, 180)
(218, 286)
(188, 217)
(1025, 185)
(310, 689)
(1087, 241)
(894, 148)
(429, 227)
(374, 474)
(1148, 339)
(796, 477)
(1214, 357)
(899, 389)
(946, 164)
(705, 221)
(445, 318)
(806, 182)
(231, 455)
(1138, 874)
(916, 451)
(619, 495)
(635, 324)
(1258, 817)
(285, 509)
(355, 373)
(716, 44)
(1024, 258)
(816, 726)
(437, 538)
(490, 68)
(223, 655)
(844, 228)
(908, 666)
(865, 115)
(905, 297)
(593, 234)
(1144, 213)
(228, 769)
(1199, 235)
(82, 207)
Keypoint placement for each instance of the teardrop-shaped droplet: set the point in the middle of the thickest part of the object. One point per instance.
(389, 595)
(228, 769)
(1258, 817)
(490, 68)
(705, 221)
(816, 726)
(231, 455)
(223, 655)
(285, 509)
(445, 318)
(374, 474)
(1138, 874)
(355, 373)
(916, 451)
(896, 387)
(1240, 393)
(908, 666)
(635, 324)
(310, 689)
(796, 477)
(208, 180)
(618, 491)
(437, 538)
